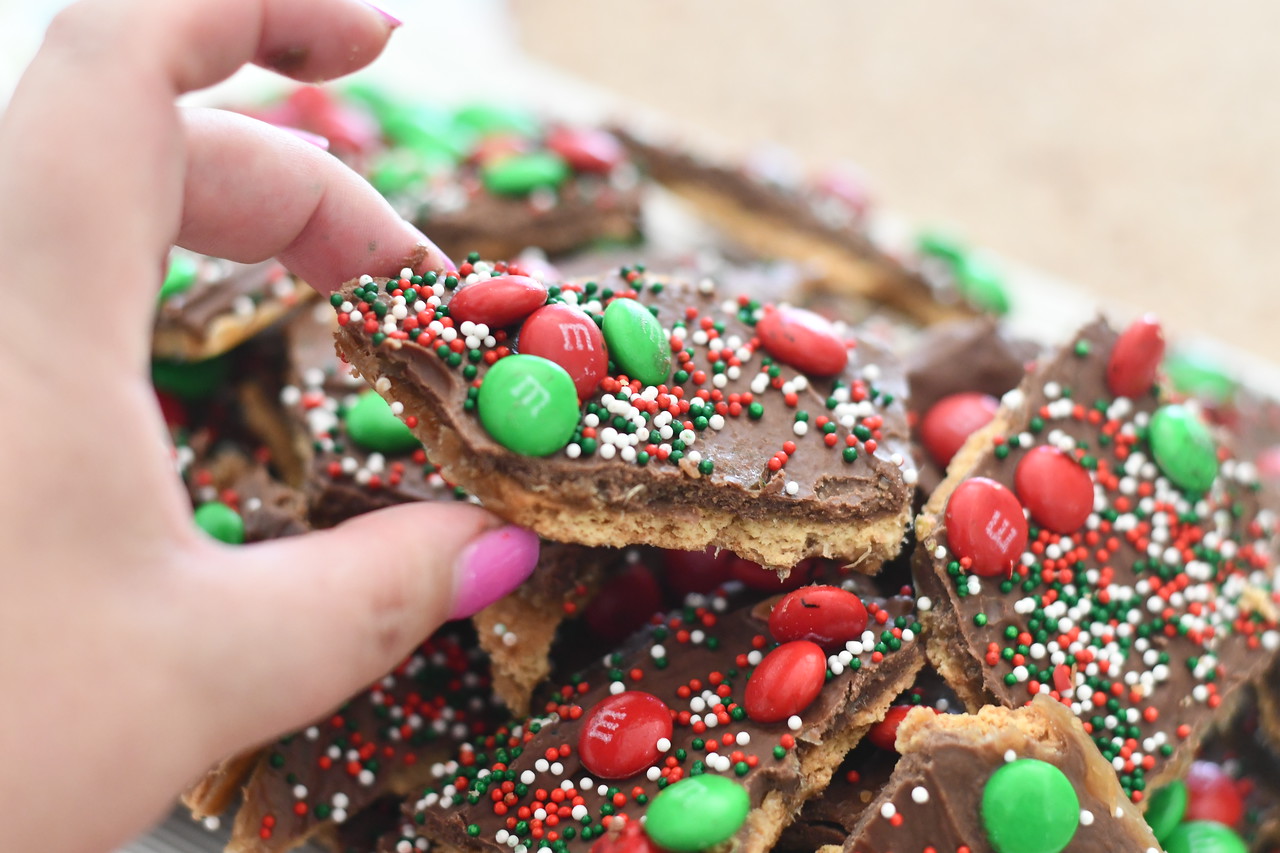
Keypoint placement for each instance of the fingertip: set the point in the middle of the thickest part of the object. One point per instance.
(492, 566)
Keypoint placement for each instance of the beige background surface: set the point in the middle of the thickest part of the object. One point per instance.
(1130, 147)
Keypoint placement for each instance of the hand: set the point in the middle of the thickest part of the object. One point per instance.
(134, 651)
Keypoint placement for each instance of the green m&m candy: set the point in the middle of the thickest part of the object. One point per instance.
(1030, 806)
(180, 275)
(487, 119)
(1166, 808)
(521, 174)
(1203, 836)
(941, 245)
(528, 404)
(221, 522)
(191, 380)
(1199, 375)
(372, 425)
(1183, 447)
(982, 283)
(636, 342)
(696, 813)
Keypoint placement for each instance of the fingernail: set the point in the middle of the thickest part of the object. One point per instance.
(492, 566)
(307, 136)
(391, 19)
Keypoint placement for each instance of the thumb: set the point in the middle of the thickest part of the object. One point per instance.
(304, 623)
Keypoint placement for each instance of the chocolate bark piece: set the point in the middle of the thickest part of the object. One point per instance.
(1149, 616)
(828, 819)
(342, 477)
(697, 663)
(481, 178)
(382, 741)
(463, 217)
(935, 797)
(783, 217)
(222, 306)
(732, 447)
(956, 357)
(268, 508)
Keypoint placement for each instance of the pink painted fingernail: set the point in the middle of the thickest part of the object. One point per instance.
(307, 136)
(386, 16)
(492, 566)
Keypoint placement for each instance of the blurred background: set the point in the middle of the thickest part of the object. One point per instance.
(1126, 146)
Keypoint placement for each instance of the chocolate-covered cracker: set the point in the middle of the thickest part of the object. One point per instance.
(701, 707)
(485, 178)
(779, 214)
(209, 306)
(703, 420)
(382, 741)
(353, 453)
(828, 819)
(1099, 546)
(1000, 780)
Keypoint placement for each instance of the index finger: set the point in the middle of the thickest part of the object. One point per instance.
(94, 113)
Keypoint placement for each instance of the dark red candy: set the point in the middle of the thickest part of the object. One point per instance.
(1054, 488)
(570, 338)
(1212, 795)
(951, 420)
(587, 150)
(756, 576)
(174, 412)
(624, 603)
(498, 302)
(985, 523)
(620, 734)
(631, 839)
(1131, 370)
(802, 339)
(696, 571)
(827, 615)
(349, 130)
(884, 734)
(786, 682)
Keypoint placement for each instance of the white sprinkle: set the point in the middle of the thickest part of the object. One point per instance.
(919, 794)
(794, 723)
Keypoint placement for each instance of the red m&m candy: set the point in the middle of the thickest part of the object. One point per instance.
(567, 336)
(802, 339)
(985, 523)
(620, 734)
(884, 734)
(1054, 488)
(696, 571)
(1212, 795)
(624, 603)
(587, 149)
(827, 615)
(498, 302)
(951, 420)
(786, 682)
(1131, 369)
